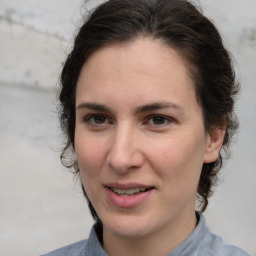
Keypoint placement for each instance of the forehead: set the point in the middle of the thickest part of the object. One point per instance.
(141, 55)
(143, 69)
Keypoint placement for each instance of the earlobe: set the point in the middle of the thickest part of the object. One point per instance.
(214, 142)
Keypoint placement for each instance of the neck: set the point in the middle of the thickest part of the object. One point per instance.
(159, 243)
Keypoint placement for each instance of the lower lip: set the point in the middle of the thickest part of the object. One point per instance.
(127, 201)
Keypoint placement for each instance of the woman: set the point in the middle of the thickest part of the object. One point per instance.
(147, 104)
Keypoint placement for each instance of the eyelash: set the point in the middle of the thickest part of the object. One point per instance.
(163, 118)
(90, 119)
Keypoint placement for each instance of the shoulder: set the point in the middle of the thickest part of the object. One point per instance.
(75, 249)
(89, 247)
(213, 245)
(203, 242)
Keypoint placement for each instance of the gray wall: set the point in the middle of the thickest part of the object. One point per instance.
(42, 207)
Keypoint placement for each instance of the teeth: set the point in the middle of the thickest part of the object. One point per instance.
(127, 192)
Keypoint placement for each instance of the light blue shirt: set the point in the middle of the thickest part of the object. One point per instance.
(201, 242)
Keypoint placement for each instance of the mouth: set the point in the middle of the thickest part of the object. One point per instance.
(128, 195)
(129, 192)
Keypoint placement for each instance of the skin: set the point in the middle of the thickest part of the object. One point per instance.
(162, 145)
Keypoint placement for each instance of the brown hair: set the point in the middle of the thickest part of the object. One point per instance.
(180, 25)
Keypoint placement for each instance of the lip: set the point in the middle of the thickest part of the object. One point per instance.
(127, 185)
(127, 201)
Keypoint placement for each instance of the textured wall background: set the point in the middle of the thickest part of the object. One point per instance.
(41, 204)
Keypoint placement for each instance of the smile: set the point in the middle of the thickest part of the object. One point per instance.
(127, 195)
(128, 192)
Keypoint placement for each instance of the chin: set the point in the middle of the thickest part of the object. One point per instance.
(130, 232)
(128, 226)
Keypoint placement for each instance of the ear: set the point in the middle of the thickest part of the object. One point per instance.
(213, 144)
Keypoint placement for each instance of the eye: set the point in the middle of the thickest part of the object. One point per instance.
(159, 120)
(96, 120)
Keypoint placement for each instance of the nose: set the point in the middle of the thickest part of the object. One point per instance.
(125, 151)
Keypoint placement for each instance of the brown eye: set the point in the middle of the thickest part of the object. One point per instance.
(158, 120)
(97, 119)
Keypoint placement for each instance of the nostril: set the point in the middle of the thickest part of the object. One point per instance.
(125, 161)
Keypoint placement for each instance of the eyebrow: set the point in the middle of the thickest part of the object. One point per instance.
(93, 106)
(141, 109)
(158, 106)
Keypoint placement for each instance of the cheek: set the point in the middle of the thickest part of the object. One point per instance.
(90, 156)
(179, 159)
(179, 166)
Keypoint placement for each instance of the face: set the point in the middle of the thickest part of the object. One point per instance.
(140, 140)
